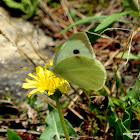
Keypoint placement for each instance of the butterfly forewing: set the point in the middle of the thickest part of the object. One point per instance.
(77, 45)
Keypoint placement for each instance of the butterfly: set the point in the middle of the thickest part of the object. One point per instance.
(76, 62)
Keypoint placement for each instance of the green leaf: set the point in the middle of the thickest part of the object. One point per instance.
(107, 20)
(33, 100)
(131, 4)
(122, 129)
(85, 20)
(118, 125)
(121, 104)
(110, 102)
(28, 7)
(15, 5)
(126, 21)
(72, 13)
(127, 117)
(125, 56)
(13, 135)
(134, 93)
(93, 37)
(53, 126)
(110, 19)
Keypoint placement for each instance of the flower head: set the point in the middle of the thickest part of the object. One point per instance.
(45, 80)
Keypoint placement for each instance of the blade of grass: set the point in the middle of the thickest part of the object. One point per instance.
(110, 19)
(85, 20)
(107, 20)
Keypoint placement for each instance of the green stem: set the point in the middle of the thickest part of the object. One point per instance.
(62, 119)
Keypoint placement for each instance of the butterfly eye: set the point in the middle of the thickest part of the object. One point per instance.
(76, 51)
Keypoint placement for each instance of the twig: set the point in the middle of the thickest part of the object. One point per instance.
(106, 119)
(63, 2)
(14, 46)
(21, 130)
(14, 119)
(25, 55)
(111, 57)
(46, 9)
(126, 46)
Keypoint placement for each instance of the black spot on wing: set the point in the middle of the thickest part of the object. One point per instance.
(76, 51)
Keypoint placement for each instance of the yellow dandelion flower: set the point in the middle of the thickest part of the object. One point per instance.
(45, 80)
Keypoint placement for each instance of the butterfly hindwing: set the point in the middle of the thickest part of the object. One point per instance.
(83, 71)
